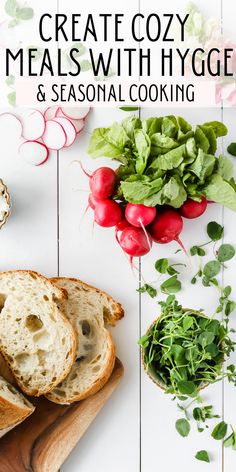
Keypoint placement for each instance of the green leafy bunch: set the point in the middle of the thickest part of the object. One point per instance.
(17, 12)
(165, 161)
(183, 349)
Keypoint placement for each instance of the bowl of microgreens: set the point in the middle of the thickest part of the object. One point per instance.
(183, 350)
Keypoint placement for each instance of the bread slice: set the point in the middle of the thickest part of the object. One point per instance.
(14, 407)
(86, 308)
(36, 339)
(6, 372)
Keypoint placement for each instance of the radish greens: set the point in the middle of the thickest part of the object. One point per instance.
(164, 160)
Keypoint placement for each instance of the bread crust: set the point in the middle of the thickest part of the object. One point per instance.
(102, 380)
(6, 372)
(119, 311)
(60, 291)
(11, 415)
(62, 295)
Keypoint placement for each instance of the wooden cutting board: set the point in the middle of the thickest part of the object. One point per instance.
(43, 441)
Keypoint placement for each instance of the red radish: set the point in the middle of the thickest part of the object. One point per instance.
(107, 213)
(8, 121)
(192, 209)
(54, 136)
(92, 201)
(102, 183)
(167, 227)
(134, 242)
(75, 113)
(69, 130)
(34, 152)
(120, 226)
(51, 112)
(139, 215)
(33, 123)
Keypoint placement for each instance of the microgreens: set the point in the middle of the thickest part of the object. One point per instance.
(212, 268)
(230, 441)
(219, 431)
(183, 427)
(232, 149)
(164, 267)
(215, 231)
(148, 289)
(170, 285)
(185, 348)
(201, 415)
(202, 456)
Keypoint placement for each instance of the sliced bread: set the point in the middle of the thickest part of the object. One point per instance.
(86, 308)
(14, 407)
(6, 372)
(36, 339)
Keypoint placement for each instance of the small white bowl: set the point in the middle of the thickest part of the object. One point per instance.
(4, 194)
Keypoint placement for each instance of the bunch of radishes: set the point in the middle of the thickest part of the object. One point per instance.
(136, 225)
(39, 132)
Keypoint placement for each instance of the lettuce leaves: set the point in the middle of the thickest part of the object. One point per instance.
(143, 149)
(221, 191)
(164, 161)
(109, 142)
(145, 189)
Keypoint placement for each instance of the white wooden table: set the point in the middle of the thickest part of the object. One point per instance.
(46, 232)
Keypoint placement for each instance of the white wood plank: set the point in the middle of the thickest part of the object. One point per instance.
(29, 240)
(158, 412)
(228, 13)
(94, 256)
(151, 433)
(229, 278)
(112, 442)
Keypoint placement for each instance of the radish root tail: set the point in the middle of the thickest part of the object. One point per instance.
(145, 232)
(83, 216)
(116, 236)
(178, 240)
(82, 168)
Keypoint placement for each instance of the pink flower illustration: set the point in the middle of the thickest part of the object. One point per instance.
(207, 35)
